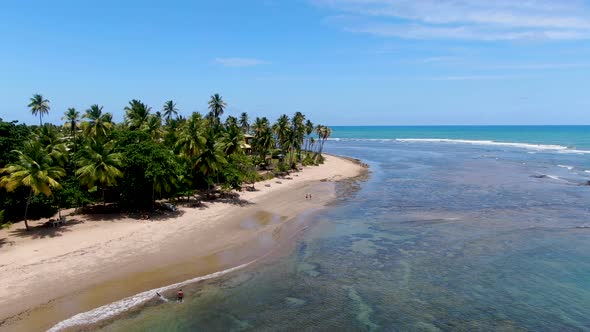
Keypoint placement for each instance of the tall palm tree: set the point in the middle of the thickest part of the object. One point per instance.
(153, 127)
(263, 140)
(244, 124)
(72, 117)
(211, 160)
(309, 127)
(231, 121)
(34, 169)
(51, 141)
(169, 110)
(232, 140)
(298, 132)
(324, 133)
(136, 114)
(282, 131)
(216, 108)
(99, 124)
(99, 166)
(191, 138)
(39, 106)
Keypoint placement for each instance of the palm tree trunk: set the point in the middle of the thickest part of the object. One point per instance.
(104, 202)
(27, 208)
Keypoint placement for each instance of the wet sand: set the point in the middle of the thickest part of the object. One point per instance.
(94, 260)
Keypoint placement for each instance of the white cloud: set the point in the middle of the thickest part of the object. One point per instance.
(464, 19)
(239, 62)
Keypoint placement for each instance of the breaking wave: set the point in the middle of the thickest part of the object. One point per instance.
(528, 146)
(116, 308)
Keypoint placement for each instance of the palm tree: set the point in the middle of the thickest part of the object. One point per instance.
(216, 108)
(51, 141)
(324, 133)
(263, 140)
(244, 124)
(231, 121)
(169, 110)
(309, 127)
(232, 140)
(34, 169)
(99, 124)
(72, 117)
(191, 139)
(153, 127)
(137, 114)
(211, 160)
(39, 106)
(282, 131)
(99, 166)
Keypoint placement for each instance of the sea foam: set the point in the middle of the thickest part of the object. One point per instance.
(537, 147)
(115, 308)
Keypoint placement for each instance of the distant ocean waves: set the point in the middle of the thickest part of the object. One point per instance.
(527, 146)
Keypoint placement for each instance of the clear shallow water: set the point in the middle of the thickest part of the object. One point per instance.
(440, 236)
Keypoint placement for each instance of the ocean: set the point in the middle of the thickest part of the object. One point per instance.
(453, 229)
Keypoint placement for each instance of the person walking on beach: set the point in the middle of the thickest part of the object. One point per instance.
(306, 197)
(180, 296)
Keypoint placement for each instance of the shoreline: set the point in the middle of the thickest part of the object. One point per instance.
(99, 259)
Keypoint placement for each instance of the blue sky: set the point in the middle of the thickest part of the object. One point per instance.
(342, 62)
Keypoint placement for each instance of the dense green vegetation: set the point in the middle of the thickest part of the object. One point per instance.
(150, 156)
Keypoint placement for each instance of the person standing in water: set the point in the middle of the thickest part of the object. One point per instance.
(180, 296)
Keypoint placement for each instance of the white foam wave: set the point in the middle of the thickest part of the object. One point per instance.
(538, 147)
(112, 309)
(569, 168)
(587, 171)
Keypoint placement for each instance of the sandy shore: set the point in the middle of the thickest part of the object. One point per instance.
(51, 274)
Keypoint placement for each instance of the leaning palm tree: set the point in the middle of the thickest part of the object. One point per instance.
(39, 106)
(216, 108)
(99, 166)
(169, 110)
(34, 169)
(244, 124)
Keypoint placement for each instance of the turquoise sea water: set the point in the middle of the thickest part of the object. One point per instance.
(568, 136)
(440, 236)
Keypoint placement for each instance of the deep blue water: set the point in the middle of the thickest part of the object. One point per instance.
(438, 237)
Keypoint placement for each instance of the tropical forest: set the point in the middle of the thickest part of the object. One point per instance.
(153, 156)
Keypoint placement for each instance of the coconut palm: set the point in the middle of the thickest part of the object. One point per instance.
(71, 117)
(216, 108)
(99, 166)
(232, 140)
(211, 160)
(99, 124)
(282, 131)
(153, 127)
(309, 127)
(191, 139)
(136, 114)
(263, 140)
(51, 141)
(324, 133)
(39, 106)
(244, 124)
(169, 110)
(35, 170)
(231, 121)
